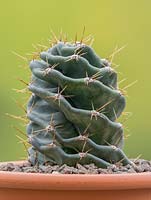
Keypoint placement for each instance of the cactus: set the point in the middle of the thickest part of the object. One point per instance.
(73, 109)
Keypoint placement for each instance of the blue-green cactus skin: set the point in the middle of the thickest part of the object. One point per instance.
(73, 109)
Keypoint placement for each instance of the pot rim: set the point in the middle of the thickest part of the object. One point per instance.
(40, 181)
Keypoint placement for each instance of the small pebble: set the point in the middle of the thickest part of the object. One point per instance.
(55, 172)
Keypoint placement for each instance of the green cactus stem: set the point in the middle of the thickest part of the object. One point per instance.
(74, 108)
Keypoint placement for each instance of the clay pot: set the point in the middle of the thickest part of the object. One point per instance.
(36, 186)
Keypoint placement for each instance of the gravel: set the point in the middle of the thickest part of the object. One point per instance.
(139, 166)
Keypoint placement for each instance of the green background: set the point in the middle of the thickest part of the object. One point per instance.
(111, 22)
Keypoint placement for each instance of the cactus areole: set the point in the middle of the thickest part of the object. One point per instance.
(74, 107)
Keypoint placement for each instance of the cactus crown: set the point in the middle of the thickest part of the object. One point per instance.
(73, 108)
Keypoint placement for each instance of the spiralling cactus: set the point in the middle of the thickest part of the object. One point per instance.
(73, 109)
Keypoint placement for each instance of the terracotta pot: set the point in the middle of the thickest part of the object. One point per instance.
(36, 186)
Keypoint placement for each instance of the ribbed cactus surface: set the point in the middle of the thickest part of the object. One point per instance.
(73, 109)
